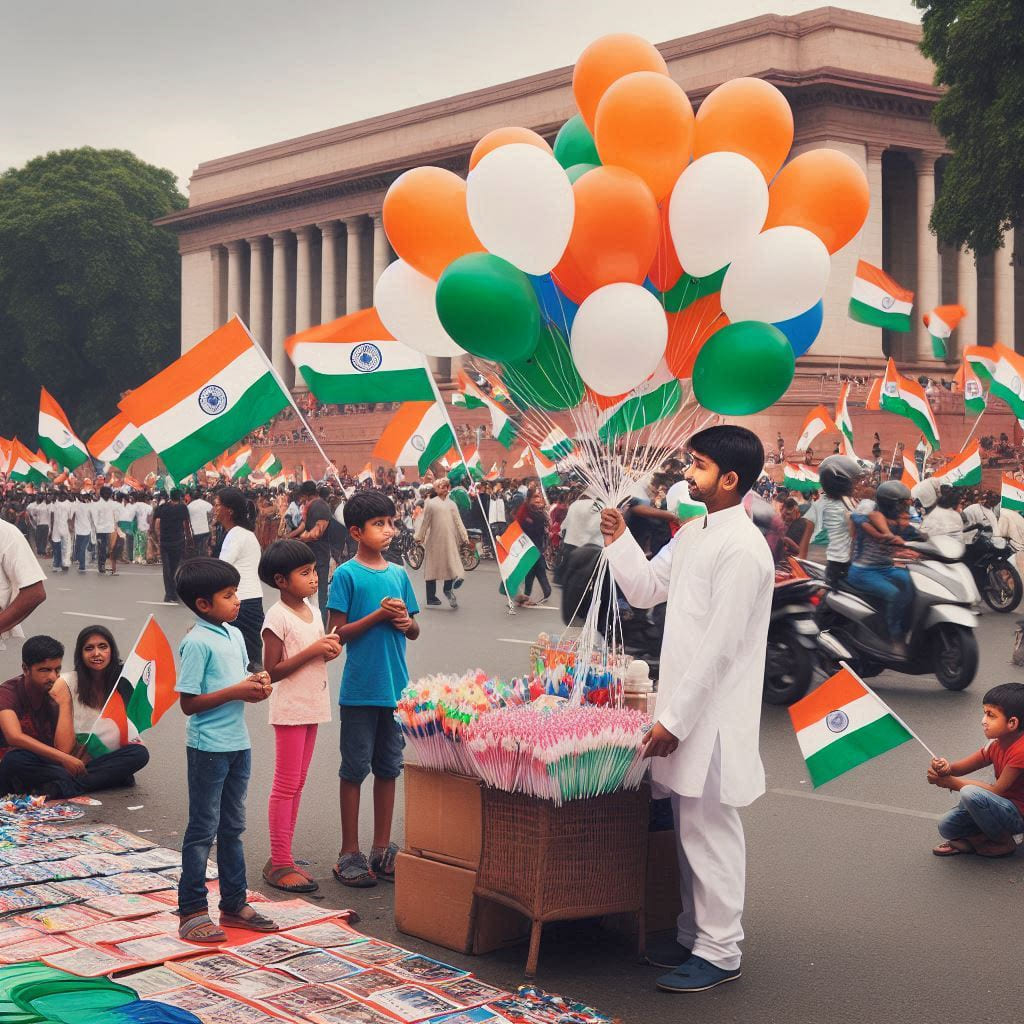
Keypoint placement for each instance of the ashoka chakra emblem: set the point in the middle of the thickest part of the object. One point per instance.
(366, 357)
(837, 721)
(213, 399)
(888, 302)
(418, 442)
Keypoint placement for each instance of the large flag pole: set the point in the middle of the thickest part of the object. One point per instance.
(973, 429)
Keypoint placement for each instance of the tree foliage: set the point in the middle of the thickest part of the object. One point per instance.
(89, 289)
(978, 50)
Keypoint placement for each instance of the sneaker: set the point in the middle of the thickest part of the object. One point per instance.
(696, 975)
(458, 583)
(667, 953)
(382, 862)
(453, 600)
(353, 870)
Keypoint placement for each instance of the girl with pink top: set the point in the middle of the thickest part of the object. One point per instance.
(295, 653)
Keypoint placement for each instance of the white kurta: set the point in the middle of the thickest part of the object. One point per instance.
(717, 576)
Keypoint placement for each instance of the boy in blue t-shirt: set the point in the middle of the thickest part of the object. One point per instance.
(371, 605)
(215, 685)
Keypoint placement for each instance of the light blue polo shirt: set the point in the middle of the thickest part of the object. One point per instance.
(212, 658)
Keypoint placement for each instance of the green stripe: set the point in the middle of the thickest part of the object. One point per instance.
(263, 400)
(387, 386)
(507, 434)
(974, 405)
(468, 401)
(688, 290)
(139, 710)
(441, 441)
(32, 476)
(558, 450)
(69, 458)
(274, 468)
(865, 314)
(514, 580)
(901, 407)
(94, 747)
(938, 347)
(972, 479)
(855, 748)
(1013, 504)
(136, 450)
(637, 413)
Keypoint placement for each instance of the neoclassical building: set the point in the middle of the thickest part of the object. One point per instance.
(289, 235)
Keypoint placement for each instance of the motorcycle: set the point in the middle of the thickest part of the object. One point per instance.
(942, 637)
(990, 560)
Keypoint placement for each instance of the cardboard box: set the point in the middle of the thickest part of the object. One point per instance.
(433, 901)
(443, 816)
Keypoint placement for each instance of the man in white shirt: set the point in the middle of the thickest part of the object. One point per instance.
(717, 577)
(60, 532)
(39, 519)
(104, 513)
(84, 525)
(21, 583)
(199, 510)
(985, 513)
(143, 514)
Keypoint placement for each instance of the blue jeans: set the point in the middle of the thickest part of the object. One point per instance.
(58, 554)
(892, 586)
(981, 810)
(81, 550)
(217, 784)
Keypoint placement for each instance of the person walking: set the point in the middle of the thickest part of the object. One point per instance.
(312, 530)
(199, 511)
(441, 532)
(532, 518)
(60, 531)
(236, 515)
(83, 529)
(105, 513)
(143, 516)
(172, 531)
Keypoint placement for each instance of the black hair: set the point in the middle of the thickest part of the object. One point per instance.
(242, 509)
(202, 578)
(175, 494)
(284, 557)
(734, 450)
(324, 492)
(106, 492)
(307, 487)
(366, 505)
(87, 694)
(1009, 698)
(949, 497)
(40, 648)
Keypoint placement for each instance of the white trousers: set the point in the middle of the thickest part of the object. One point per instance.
(712, 872)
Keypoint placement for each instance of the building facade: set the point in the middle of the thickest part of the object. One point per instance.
(290, 235)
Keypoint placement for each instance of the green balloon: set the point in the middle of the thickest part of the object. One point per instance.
(689, 289)
(548, 379)
(743, 368)
(577, 171)
(488, 307)
(461, 498)
(574, 144)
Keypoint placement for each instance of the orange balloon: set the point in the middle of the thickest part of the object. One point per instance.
(746, 116)
(602, 402)
(666, 269)
(645, 123)
(824, 191)
(426, 221)
(505, 137)
(605, 61)
(614, 235)
(689, 329)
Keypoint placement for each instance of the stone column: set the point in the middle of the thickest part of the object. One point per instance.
(354, 264)
(303, 279)
(871, 237)
(236, 281)
(381, 250)
(259, 306)
(328, 271)
(928, 270)
(218, 285)
(279, 306)
(966, 296)
(1002, 292)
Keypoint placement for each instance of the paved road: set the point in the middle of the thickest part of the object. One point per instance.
(849, 917)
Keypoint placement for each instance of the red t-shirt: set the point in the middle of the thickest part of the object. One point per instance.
(38, 720)
(1001, 757)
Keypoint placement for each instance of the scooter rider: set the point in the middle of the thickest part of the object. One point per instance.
(838, 475)
(873, 571)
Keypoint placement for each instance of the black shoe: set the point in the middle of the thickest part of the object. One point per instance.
(458, 583)
(433, 601)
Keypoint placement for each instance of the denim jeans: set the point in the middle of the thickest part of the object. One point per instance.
(217, 784)
(81, 550)
(58, 554)
(981, 810)
(892, 586)
(22, 771)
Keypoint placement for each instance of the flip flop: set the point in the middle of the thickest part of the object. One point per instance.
(947, 849)
(254, 921)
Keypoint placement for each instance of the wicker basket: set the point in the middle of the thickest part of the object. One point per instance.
(584, 859)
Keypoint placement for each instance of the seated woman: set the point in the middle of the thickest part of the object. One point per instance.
(96, 672)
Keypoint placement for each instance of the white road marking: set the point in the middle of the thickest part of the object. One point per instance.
(92, 615)
(908, 812)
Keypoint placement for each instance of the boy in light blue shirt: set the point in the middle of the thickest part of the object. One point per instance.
(371, 605)
(215, 685)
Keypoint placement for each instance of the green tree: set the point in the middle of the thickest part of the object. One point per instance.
(89, 289)
(978, 50)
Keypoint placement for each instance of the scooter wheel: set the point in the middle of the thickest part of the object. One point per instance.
(954, 654)
(1002, 589)
(788, 670)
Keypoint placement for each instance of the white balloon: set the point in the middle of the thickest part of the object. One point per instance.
(618, 338)
(404, 299)
(781, 274)
(718, 206)
(521, 206)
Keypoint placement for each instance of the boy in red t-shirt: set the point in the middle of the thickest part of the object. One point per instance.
(989, 815)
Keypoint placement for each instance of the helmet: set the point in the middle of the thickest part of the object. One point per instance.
(837, 475)
(890, 495)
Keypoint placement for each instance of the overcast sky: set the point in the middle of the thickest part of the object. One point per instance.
(183, 81)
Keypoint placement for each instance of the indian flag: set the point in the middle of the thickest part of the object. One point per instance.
(56, 438)
(517, 555)
(655, 399)
(842, 419)
(546, 471)
(818, 421)
(1011, 494)
(236, 465)
(964, 470)
(207, 400)
(365, 474)
(800, 478)
(144, 691)
(910, 477)
(270, 465)
(118, 443)
(905, 397)
(26, 466)
(355, 359)
(556, 444)
(877, 300)
(843, 724)
(941, 322)
(973, 392)
(1003, 370)
(418, 434)
(470, 466)
(492, 473)
(467, 394)
(504, 429)
(5, 454)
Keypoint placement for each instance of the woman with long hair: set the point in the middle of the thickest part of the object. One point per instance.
(532, 517)
(236, 515)
(95, 675)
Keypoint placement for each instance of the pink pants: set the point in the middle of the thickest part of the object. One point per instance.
(293, 752)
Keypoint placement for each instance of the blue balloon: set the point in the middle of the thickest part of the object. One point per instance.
(554, 305)
(802, 330)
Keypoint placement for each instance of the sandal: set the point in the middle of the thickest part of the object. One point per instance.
(949, 849)
(248, 918)
(199, 928)
(276, 877)
(352, 870)
(382, 862)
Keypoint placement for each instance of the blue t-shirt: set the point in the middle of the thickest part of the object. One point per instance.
(375, 673)
(213, 657)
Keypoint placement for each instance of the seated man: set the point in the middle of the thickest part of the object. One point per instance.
(37, 733)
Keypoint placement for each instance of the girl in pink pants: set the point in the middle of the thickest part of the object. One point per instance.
(295, 653)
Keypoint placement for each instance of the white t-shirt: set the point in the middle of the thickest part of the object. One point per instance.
(18, 569)
(582, 523)
(143, 514)
(303, 698)
(84, 520)
(105, 513)
(242, 550)
(199, 515)
(496, 511)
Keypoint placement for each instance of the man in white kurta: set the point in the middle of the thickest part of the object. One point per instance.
(717, 576)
